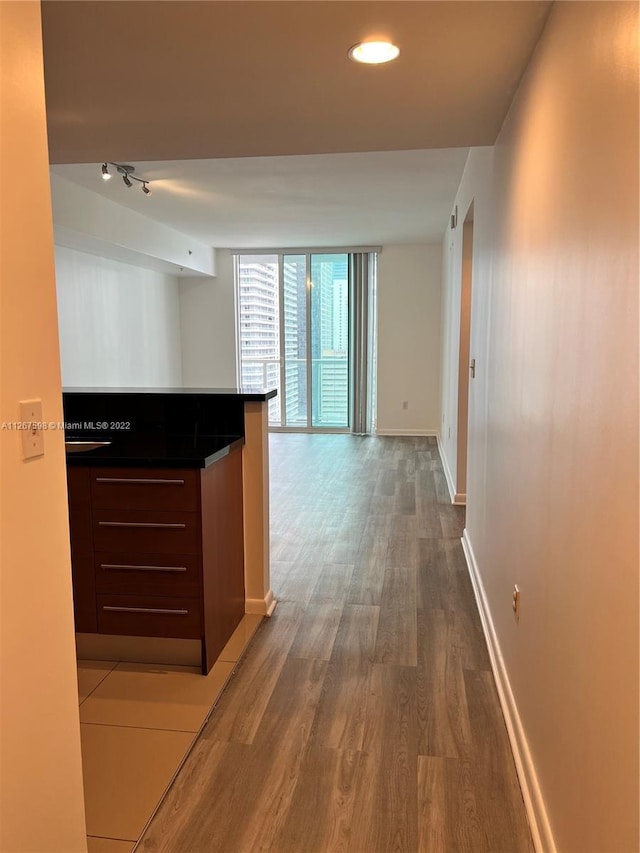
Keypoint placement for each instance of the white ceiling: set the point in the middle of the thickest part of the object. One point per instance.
(309, 200)
(161, 82)
(175, 79)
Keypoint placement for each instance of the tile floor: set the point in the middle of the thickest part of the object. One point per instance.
(138, 722)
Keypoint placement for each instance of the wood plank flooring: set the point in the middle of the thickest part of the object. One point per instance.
(364, 717)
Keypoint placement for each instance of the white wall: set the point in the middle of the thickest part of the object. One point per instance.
(89, 222)
(409, 284)
(208, 327)
(408, 334)
(552, 484)
(41, 798)
(119, 324)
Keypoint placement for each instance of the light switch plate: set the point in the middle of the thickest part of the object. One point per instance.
(32, 432)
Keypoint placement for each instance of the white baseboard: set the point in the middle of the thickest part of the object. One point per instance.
(460, 499)
(447, 473)
(531, 793)
(409, 432)
(261, 606)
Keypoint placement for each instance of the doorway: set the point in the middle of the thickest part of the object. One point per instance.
(466, 365)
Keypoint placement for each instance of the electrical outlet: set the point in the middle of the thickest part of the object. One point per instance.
(515, 603)
(405, 404)
(32, 434)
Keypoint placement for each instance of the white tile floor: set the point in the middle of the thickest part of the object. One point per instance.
(175, 698)
(138, 722)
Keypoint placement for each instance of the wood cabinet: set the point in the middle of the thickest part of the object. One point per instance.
(159, 552)
(84, 586)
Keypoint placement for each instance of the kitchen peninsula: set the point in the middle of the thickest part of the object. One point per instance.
(169, 516)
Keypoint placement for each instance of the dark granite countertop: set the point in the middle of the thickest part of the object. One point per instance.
(247, 394)
(158, 451)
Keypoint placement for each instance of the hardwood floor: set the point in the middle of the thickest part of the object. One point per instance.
(364, 717)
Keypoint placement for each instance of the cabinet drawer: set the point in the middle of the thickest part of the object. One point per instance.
(145, 488)
(146, 532)
(149, 616)
(148, 574)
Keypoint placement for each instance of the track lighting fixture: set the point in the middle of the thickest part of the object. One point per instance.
(126, 171)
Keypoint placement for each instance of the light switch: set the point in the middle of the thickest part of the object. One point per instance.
(32, 432)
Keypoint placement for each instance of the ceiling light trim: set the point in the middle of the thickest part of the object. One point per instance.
(373, 52)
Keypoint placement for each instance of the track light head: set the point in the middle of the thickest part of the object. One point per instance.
(126, 173)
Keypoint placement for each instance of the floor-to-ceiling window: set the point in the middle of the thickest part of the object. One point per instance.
(295, 324)
(330, 340)
(259, 322)
(295, 398)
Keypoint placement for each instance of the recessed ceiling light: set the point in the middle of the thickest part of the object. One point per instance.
(373, 52)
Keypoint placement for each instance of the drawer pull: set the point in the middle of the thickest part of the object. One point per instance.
(141, 524)
(123, 567)
(155, 610)
(140, 481)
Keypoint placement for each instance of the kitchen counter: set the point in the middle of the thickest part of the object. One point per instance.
(246, 394)
(180, 427)
(147, 455)
(155, 451)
